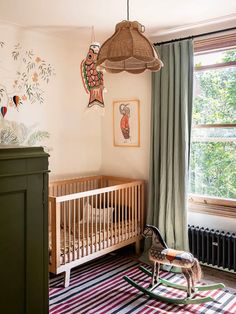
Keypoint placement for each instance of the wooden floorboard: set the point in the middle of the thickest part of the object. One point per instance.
(214, 275)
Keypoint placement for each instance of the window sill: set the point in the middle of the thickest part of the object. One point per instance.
(212, 206)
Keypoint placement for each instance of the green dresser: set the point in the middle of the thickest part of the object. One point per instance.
(23, 230)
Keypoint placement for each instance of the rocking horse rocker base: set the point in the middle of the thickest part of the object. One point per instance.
(159, 253)
(189, 300)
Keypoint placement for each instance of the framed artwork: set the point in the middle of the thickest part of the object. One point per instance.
(126, 123)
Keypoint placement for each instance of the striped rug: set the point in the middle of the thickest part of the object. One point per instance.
(98, 287)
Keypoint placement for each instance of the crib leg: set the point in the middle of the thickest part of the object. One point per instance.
(137, 247)
(67, 278)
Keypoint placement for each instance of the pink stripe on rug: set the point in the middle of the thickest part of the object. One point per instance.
(99, 288)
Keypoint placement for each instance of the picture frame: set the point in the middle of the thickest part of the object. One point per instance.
(126, 122)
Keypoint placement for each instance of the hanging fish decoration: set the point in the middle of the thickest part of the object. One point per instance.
(16, 100)
(3, 111)
(92, 78)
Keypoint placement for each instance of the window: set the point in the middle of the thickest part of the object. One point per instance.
(213, 142)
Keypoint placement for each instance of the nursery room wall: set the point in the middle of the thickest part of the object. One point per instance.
(80, 141)
(134, 161)
(127, 161)
(71, 134)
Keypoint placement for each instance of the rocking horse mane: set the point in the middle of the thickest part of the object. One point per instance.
(157, 233)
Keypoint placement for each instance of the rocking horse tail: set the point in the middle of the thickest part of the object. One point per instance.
(196, 269)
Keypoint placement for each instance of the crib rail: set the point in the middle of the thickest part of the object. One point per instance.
(87, 224)
(65, 187)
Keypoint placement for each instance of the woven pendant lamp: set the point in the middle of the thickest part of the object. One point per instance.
(128, 50)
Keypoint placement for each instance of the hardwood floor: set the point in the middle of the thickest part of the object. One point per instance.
(214, 275)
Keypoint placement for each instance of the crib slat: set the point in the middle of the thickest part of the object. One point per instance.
(64, 231)
(126, 209)
(139, 206)
(92, 222)
(108, 219)
(104, 228)
(73, 226)
(78, 224)
(68, 210)
(142, 207)
(112, 218)
(87, 223)
(116, 217)
(100, 222)
(122, 214)
(83, 228)
(132, 195)
(119, 209)
(116, 235)
(135, 212)
(130, 212)
(96, 223)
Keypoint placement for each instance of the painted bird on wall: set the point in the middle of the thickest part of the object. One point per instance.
(92, 78)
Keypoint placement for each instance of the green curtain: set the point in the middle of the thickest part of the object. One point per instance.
(172, 91)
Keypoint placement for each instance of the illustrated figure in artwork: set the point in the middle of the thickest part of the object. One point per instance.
(124, 121)
(92, 78)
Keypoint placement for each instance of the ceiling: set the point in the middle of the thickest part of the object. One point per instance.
(159, 17)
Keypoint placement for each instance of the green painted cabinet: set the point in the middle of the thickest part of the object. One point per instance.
(23, 230)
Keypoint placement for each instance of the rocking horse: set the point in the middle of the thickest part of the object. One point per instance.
(159, 253)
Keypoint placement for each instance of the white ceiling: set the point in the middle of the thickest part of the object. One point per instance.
(159, 17)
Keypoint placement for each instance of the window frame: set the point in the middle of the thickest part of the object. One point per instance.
(212, 205)
(204, 204)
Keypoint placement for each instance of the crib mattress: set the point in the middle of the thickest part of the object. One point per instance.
(92, 238)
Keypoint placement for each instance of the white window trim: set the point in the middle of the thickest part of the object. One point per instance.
(207, 204)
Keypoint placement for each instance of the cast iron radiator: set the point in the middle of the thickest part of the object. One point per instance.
(213, 247)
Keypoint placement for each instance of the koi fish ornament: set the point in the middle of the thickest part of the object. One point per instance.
(92, 78)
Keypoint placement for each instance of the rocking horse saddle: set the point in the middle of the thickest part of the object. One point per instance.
(170, 256)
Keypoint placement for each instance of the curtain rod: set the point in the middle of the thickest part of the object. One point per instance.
(195, 36)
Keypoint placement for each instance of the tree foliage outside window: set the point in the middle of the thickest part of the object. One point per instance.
(213, 150)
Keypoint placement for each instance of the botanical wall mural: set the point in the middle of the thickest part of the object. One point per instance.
(16, 133)
(23, 77)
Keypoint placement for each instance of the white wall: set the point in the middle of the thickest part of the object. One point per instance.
(127, 161)
(210, 221)
(77, 132)
(75, 136)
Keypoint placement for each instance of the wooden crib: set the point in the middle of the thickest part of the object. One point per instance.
(90, 217)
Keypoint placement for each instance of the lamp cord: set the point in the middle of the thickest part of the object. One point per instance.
(127, 10)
